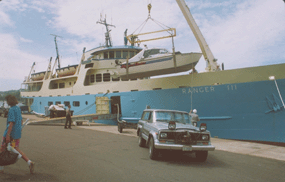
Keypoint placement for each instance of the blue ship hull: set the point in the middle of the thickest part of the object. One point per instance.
(244, 111)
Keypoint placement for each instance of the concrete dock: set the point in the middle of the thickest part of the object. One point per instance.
(234, 146)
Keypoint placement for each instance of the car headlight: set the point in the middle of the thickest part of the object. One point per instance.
(163, 135)
(205, 137)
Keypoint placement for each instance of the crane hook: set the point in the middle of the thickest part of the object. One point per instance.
(149, 8)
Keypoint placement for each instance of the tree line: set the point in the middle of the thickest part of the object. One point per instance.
(16, 93)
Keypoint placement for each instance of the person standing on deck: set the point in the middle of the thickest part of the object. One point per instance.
(194, 117)
(68, 117)
(13, 131)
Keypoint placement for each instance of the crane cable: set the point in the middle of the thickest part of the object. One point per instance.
(155, 21)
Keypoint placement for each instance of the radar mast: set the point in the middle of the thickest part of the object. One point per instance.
(108, 41)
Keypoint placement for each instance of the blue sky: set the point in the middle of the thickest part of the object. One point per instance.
(240, 33)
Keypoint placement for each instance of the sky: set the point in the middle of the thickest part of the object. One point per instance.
(240, 34)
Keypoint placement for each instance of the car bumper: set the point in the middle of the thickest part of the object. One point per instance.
(181, 147)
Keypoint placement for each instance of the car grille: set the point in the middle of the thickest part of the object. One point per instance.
(184, 137)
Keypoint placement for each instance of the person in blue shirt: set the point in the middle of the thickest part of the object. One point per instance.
(13, 130)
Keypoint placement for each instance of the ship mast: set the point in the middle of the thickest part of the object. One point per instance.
(57, 55)
(108, 42)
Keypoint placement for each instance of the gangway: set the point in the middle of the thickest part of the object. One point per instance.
(79, 119)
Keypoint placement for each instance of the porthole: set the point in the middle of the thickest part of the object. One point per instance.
(86, 102)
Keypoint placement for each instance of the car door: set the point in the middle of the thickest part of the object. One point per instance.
(148, 124)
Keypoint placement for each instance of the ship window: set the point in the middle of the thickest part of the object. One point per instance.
(50, 103)
(132, 54)
(90, 65)
(92, 78)
(106, 77)
(116, 79)
(105, 55)
(111, 54)
(86, 102)
(69, 83)
(57, 102)
(98, 77)
(76, 103)
(54, 85)
(125, 54)
(118, 54)
(66, 103)
(61, 85)
(125, 79)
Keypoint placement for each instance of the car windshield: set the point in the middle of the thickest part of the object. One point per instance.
(166, 116)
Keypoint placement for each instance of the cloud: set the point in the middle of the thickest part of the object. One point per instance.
(248, 36)
(14, 64)
(26, 40)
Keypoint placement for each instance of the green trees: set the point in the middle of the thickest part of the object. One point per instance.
(16, 93)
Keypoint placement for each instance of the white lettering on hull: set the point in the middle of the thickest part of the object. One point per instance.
(206, 89)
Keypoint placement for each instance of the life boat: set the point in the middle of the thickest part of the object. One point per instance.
(38, 76)
(66, 71)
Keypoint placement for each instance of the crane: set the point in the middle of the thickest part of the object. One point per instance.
(207, 53)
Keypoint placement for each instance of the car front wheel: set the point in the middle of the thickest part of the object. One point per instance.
(153, 152)
(141, 140)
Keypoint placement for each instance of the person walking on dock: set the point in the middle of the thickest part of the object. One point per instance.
(13, 131)
(68, 117)
(194, 117)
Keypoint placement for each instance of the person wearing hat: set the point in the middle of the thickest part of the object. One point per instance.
(194, 117)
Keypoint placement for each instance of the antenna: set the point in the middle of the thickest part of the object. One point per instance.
(57, 55)
(108, 42)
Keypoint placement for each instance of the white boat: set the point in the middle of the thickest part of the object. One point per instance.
(156, 61)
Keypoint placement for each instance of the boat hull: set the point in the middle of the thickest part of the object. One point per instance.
(241, 104)
(160, 66)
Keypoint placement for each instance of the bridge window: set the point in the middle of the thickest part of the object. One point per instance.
(106, 77)
(118, 54)
(61, 85)
(54, 86)
(92, 78)
(105, 55)
(98, 77)
(90, 65)
(111, 54)
(116, 79)
(125, 54)
(132, 54)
